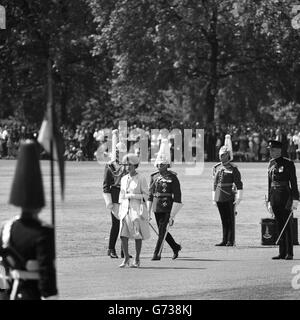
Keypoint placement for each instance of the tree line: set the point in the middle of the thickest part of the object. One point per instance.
(161, 61)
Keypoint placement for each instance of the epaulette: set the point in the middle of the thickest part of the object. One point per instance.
(154, 173)
(216, 165)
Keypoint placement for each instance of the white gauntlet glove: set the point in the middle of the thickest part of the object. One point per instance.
(239, 197)
(270, 209)
(213, 196)
(108, 200)
(295, 205)
(149, 208)
(175, 208)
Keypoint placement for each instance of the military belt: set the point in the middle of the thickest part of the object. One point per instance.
(225, 184)
(161, 195)
(279, 184)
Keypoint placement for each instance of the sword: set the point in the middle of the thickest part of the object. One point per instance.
(162, 243)
(234, 214)
(152, 227)
(287, 220)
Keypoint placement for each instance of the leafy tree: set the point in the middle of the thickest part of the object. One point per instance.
(55, 30)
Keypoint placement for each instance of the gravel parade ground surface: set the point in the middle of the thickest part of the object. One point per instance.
(202, 271)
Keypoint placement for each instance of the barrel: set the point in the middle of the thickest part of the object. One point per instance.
(270, 233)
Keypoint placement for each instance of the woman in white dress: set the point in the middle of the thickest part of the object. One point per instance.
(133, 210)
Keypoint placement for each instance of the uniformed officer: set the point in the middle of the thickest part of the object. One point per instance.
(283, 196)
(227, 193)
(164, 199)
(27, 243)
(113, 173)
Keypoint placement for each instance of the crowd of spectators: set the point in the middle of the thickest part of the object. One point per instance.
(90, 142)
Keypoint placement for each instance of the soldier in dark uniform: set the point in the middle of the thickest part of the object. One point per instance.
(27, 243)
(113, 173)
(283, 196)
(164, 200)
(226, 179)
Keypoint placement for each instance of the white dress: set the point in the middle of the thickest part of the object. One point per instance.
(133, 211)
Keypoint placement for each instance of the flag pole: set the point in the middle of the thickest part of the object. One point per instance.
(51, 114)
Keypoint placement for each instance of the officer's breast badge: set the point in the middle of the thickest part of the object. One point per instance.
(280, 169)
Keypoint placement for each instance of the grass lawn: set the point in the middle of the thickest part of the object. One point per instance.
(83, 223)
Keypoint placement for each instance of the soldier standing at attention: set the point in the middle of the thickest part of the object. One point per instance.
(283, 196)
(27, 243)
(164, 199)
(227, 178)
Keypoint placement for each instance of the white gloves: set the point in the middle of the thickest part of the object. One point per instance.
(213, 196)
(270, 209)
(239, 197)
(108, 200)
(175, 208)
(295, 205)
(149, 207)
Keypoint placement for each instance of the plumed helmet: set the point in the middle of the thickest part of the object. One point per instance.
(164, 154)
(27, 188)
(228, 144)
(131, 158)
(224, 150)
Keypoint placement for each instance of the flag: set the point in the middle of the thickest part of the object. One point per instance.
(48, 132)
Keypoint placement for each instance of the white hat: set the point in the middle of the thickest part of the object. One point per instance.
(164, 154)
(130, 158)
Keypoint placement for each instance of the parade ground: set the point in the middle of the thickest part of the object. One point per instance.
(201, 272)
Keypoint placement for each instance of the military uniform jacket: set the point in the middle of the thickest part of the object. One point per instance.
(113, 174)
(164, 190)
(226, 179)
(282, 182)
(34, 240)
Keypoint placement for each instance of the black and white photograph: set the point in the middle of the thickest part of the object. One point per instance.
(149, 153)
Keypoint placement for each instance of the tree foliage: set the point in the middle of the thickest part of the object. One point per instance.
(153, 60)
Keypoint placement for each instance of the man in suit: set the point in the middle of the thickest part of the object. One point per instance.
(283, 196)
(27, 245)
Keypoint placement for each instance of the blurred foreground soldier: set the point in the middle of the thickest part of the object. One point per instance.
(164, 199)
(26, 242)
(226, 179)
(283, 196)
(113, 173)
